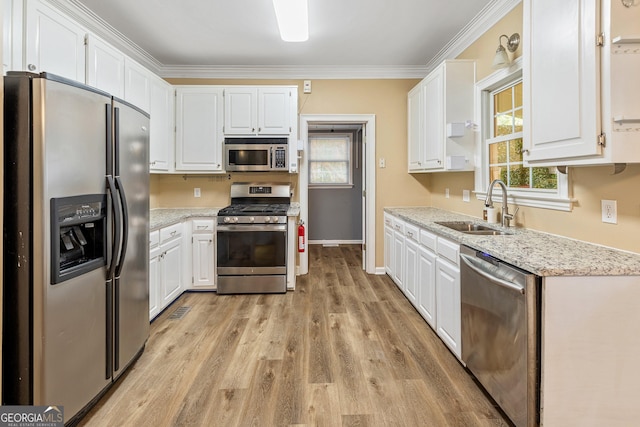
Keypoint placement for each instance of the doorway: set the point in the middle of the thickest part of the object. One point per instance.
(366, 124)
(336, 180)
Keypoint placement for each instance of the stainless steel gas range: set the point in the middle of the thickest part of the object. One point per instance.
(252, 239)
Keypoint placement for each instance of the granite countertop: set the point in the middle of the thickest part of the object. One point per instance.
(161, 217)
(540, 253)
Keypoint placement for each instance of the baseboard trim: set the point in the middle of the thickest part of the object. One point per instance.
(335, 242)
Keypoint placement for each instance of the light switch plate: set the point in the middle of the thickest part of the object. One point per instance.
(465, 195)
(610, 211)
(196, 192)
(446, 193)
(306, 87)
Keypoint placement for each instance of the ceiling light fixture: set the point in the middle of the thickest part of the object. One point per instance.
(501, 60)
(293, 19)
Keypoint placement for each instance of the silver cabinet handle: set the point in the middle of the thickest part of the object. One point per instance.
(410, 234)
(173, 233)
(31, 67)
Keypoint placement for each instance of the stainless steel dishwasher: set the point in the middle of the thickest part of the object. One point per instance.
(500, 343)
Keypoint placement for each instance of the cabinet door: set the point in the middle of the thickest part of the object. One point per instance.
(427, 285)
(136, 84)
(415, 130)
(105, 67)
(273, 110)
(433, 95)
(448, 304)
(398, 255)
(199, 137)
(410, 284)
(54, 43)
(388, 251)
(562, 102)
(171, 268)
(12, 35)
(155, 283)
(240, 111)
(161, 125)
(203, 260)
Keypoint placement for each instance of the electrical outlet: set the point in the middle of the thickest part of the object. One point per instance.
(465, 195)
(382, 163)
(196, 192)
(446, 193)
(610, 211)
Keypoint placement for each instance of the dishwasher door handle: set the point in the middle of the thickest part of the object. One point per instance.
(469, 261)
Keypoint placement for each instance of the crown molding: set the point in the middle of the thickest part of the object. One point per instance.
(293, 72)
(101, 28)
(487, 18)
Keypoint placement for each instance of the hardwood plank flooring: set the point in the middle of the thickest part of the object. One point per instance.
(344, 349)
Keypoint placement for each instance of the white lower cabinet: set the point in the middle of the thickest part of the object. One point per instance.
(203, 254)
(425, 267)
(165, 267)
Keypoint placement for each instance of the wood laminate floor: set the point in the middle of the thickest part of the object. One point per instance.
(344, 349)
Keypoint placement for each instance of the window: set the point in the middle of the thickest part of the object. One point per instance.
(505, 144)
(330, 160)
(500, 97)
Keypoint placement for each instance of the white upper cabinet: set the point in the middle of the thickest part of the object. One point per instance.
(12, 34)
(105, 67)
(162, 124)
(137, 84)
(438, 108)
(583, 110)
(53, 43)
(258, 110)
(199, 139)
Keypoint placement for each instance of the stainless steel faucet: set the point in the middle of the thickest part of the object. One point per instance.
(488, 202)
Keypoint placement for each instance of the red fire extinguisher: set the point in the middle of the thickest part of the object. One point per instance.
(301, 236)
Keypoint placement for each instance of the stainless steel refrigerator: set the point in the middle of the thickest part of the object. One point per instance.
(76, 259)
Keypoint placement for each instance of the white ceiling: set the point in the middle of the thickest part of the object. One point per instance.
(343, 33)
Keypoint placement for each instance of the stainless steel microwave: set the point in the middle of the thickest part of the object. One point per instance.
(256, 154)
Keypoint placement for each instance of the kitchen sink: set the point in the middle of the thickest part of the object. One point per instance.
(469, 227)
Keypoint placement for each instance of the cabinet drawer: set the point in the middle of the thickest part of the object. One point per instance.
(448, 249)
(154, 238)
(412, 232)
(388, 220)
(398, 225)
(428, 239)
(170, 232)
(202, 225)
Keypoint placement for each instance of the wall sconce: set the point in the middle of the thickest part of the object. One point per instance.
(501, 60)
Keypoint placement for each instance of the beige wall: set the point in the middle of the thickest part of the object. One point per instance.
(589, 185)
(386, 98)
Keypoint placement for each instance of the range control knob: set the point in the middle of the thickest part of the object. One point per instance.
(274, 219)
(252, 219)
(235, 219)
(227, 219)
(267, 219)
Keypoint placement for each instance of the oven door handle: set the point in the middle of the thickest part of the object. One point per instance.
(470, 262)
(249, 227)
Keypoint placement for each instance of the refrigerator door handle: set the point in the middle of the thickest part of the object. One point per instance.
(125, 226)
(117, 226)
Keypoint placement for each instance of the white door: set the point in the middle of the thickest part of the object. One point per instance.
(199, 138)
(240, 111)
(414, 113)
(433, 116)
(161, 134)
(154, 282)
(136, 84)
(171, 272)
(273, 110)
(203, 259)
(410, 285)
(388, 251)
(54, 43)
(427, 285)
(448, 304)
(398, 255)
(562, 101)
(105, 67)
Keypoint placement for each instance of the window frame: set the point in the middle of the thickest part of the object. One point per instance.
(540, 198)
(328, 135)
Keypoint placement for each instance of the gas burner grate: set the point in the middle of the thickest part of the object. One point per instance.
(180, 312)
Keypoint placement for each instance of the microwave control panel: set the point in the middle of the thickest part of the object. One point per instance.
(280, 158)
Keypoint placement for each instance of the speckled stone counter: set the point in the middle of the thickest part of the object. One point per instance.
(540, 253)
(162, 217)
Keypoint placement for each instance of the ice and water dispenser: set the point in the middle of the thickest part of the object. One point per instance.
(78, 235)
